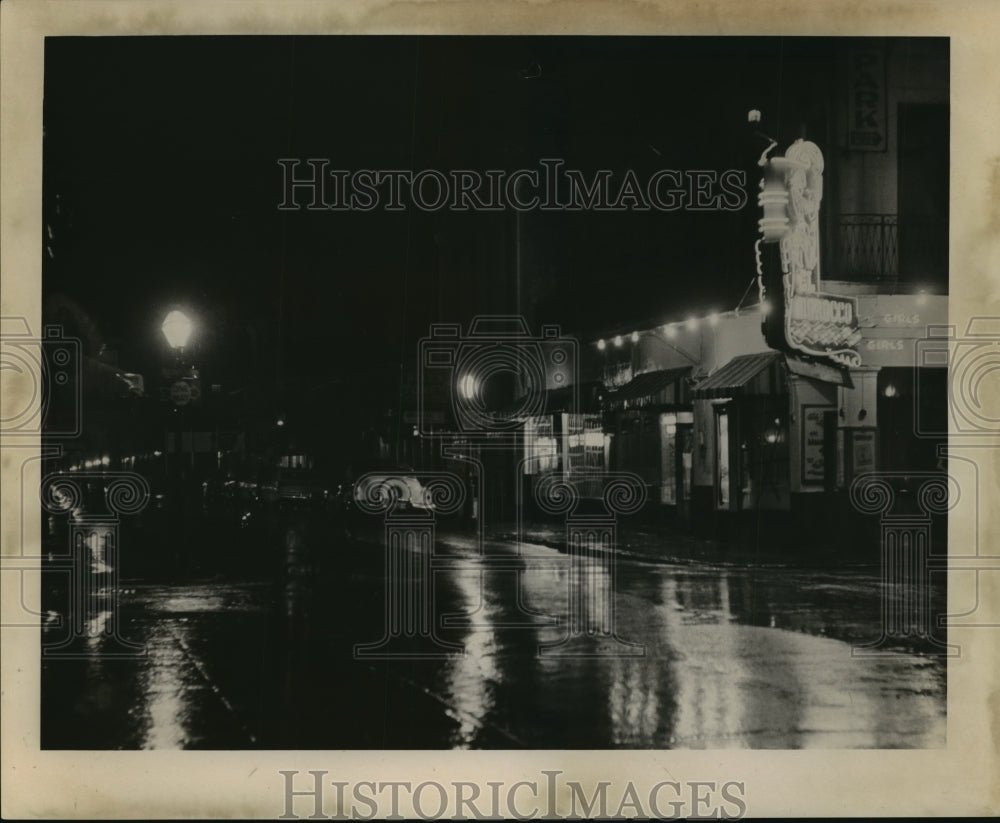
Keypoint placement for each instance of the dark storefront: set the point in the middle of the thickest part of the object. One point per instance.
(650, 422)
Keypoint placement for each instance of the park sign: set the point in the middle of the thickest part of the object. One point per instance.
(801, 317)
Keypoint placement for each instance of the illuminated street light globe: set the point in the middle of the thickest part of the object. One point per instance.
(177, 328)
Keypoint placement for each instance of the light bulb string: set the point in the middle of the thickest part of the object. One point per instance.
(692, 322)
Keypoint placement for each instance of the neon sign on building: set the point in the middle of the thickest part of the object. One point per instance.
(811, 322)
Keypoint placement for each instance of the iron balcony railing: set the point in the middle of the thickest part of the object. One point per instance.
(868, 248)
(878, 248)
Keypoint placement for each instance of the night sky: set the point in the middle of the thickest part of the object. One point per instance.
(163, 154)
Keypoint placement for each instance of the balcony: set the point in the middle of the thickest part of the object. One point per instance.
(880, 250)
(868, 248)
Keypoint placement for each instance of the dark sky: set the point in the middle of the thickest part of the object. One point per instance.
(163, 151)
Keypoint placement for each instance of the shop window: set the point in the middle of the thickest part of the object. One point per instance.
(816, 451)
(668, 455)
(594, 443)
(722, 495)
(685, 447)
(541, 448)
(586, 443)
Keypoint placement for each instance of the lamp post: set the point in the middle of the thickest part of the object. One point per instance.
(181, 379)
(177, 329)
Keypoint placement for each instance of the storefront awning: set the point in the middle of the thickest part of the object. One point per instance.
(664, 387)
(744, 374)
(838, 375)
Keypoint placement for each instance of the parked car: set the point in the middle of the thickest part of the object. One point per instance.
(401, 479)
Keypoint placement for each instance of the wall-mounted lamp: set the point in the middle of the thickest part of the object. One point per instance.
(772, 434)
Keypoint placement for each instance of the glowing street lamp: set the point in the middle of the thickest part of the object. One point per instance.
(177, 328)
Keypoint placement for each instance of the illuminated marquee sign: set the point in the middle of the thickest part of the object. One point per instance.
(806, 320)
(824, 325)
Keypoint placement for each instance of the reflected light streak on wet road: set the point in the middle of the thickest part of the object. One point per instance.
(734, 658)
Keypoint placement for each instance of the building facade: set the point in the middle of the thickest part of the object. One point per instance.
(753, 423)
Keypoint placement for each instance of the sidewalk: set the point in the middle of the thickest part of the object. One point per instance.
(649, 541)
(666, 543)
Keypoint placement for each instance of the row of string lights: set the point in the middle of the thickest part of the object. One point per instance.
(671, 330)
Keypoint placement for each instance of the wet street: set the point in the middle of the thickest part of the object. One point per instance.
(695, 656)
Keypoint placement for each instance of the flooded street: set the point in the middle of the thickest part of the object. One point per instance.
(695, 656)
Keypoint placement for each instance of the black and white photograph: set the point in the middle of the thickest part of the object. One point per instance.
(405, 393)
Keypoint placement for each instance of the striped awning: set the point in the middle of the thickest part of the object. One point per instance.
(838, 375)
(744, 374)
(665, 386)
